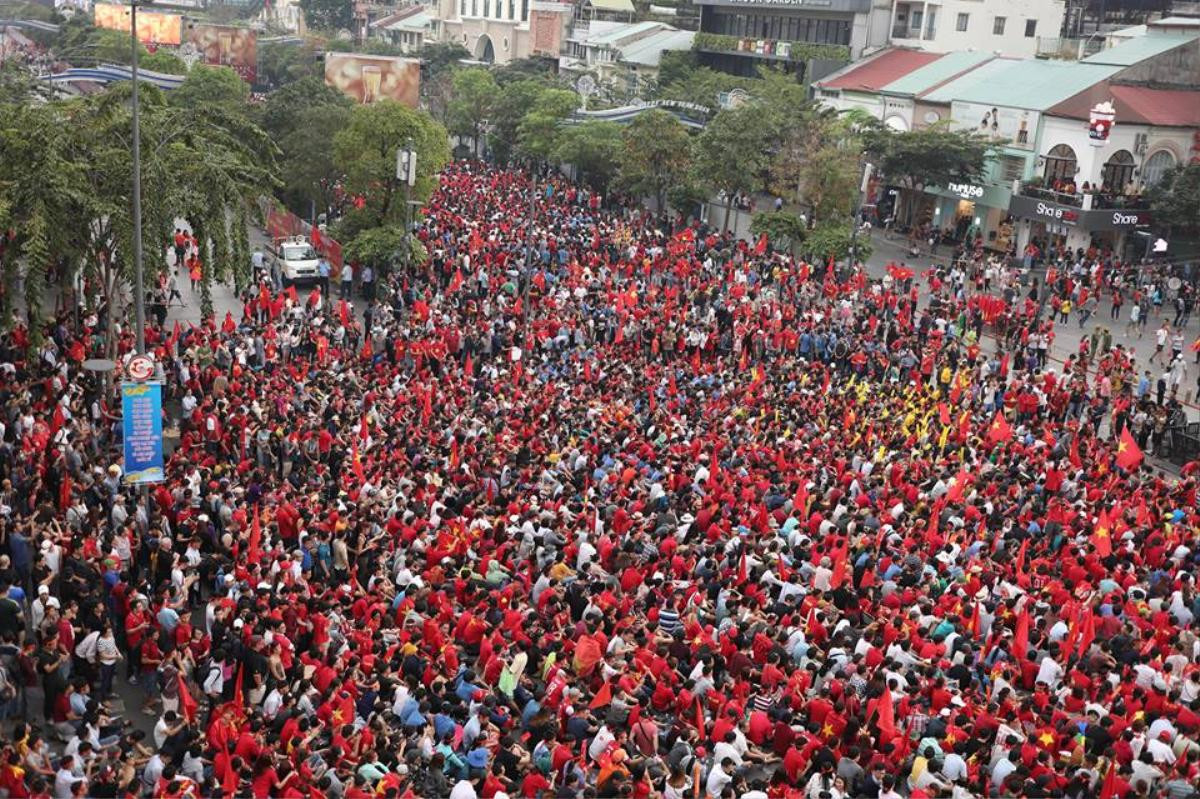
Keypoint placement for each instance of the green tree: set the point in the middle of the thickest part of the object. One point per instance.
(1175, 199)
(65, 171)
(280, 64)
(328, 15)
(833, 240)
(731, 152)
(539, 130)
(594, 148)
(162, 61)
(515, 100)
(439, 57)
(535, 68)
(783, 229)
(284, 107)
(365, 152)
(657, 155)
(209, 87)
(931, 156)
(473, 91)
(675, 65)
(380, 247)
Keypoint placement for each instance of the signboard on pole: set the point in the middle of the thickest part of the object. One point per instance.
(142, 434)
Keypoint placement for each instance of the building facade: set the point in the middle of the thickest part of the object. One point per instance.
(737, 36)
(500, 31)
(1006, 27)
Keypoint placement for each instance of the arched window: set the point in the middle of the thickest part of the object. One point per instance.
(1156, 166)
(1060, 164)
(1118, 171)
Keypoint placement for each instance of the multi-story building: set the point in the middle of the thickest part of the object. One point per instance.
(737, 36)
(623, 57)
(1006, 27)
(1048, 181)
(500, 31)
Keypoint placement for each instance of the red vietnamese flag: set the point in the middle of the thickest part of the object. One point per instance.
(344, 313)
(699, 721)
(1102, 534)
(64, 493)
(761, 246)
(252, 550)
(943, 414)
(456, 281)
(603, 697)
(1021, 556)
(960, 486)
(187, 704)
(976, 622)
(839, 566)
(469, 367)
(454, 454)
(1087, 631)
(743, 572)
(356, 461)
(1020, 646)
(364, 429)
(1129, 454)
(1073, 453)
(1000, 429)
(885, 715)
(1108, 790)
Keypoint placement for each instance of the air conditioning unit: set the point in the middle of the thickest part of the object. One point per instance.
(1140, 142)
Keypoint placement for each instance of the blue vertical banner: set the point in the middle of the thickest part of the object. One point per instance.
(141, 426)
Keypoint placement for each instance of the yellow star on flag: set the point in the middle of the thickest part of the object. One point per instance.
(1046, 738)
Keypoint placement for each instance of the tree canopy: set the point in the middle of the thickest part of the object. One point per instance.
(656, 156)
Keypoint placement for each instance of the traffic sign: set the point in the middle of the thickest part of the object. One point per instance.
(140, 368)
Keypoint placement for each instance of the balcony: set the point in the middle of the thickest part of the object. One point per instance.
(1085, 200)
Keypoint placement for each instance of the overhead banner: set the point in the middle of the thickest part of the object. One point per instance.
(371, 78)
(153, 27)
(142, 436)
(226, 46)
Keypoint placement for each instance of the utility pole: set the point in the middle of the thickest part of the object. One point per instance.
(138, 288)
(406, 173)
(868, 170)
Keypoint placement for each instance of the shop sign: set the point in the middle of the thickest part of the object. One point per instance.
(967, 191)
(1094, 219)
(1031, 208)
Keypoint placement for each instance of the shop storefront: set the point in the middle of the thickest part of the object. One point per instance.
(965, 210)
(1054, 224)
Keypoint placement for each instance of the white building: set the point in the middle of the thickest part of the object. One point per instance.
(410, 28)
(623, 57)
(1006, 27)
(500, 31)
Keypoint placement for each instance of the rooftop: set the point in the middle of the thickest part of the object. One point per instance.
(886, 67)
(624, 6)
(1030, 84)
(1136, 105)
(930, 76)
(1136, 50)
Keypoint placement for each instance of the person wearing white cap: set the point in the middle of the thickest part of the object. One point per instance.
(39, 606)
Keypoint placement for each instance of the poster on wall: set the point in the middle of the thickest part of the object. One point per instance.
(226, 45)
(1012, 125)
(368, 78)
(153, 27)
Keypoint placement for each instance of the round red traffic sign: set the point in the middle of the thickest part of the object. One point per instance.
(140, 368)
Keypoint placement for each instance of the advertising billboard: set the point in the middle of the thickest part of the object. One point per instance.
(141, 428)
(370, 78)
(153, 27)
(227, 46)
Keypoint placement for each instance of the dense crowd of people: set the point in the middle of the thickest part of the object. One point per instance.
(675, 517)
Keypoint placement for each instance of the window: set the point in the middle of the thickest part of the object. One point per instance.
(487, 8)
(1012, 167)
(1156, 166)
(1118, 171)
(524, 10)
(914, 23)
(931, 23)
(1060, 164)
(1030, 28)
(998, 25)
(963, 19)
(462, 8)
(512, 9)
